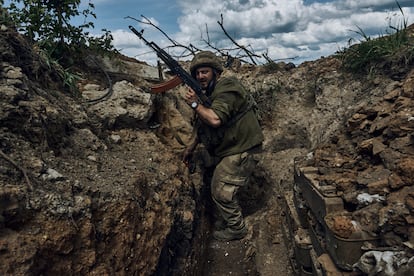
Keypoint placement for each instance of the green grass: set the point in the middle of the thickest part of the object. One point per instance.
(371, 55)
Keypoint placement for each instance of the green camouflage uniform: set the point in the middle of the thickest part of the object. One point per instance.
(234, 143)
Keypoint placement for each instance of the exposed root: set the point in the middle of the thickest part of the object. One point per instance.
(7, 158)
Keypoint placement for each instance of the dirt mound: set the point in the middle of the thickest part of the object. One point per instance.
(74, 193)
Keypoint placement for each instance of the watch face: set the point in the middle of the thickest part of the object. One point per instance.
(194, 105)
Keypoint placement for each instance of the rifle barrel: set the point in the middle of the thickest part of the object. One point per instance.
(175, 68)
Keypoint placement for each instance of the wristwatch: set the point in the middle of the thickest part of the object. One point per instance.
(194, 105)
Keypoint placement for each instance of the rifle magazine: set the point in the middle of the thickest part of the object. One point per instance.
(165, 86)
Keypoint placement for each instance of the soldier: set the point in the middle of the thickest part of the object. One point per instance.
(230, 131)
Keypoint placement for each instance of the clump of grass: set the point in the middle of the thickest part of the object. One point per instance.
(271, 67)
(370, 55)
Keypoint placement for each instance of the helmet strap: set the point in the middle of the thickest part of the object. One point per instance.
(210, 87)
(212, 84)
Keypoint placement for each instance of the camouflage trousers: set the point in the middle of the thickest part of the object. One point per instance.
(231, 173)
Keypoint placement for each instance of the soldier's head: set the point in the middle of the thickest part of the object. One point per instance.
(205, 68)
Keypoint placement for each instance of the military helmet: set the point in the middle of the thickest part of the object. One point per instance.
(205, 58)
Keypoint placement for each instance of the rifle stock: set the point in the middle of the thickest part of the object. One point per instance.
(176, 68)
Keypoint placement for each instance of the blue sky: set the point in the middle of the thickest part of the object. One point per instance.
(111, 14)
(284, 29)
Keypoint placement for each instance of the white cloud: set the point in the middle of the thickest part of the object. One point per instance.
(125, 39)
(281, 28)
(287, 28)
(374, 4)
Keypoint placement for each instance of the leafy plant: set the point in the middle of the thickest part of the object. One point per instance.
(68, 78)
(50, 19)
(4, 15)
(103, 43)
(48, 24)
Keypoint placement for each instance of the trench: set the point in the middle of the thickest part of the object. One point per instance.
(190, 249)
(193, 251)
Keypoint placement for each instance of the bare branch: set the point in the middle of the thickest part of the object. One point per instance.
(243, 53)
(249, 53)
(192, 49)
(207, 41)
(269, 60)
(148, 22)
(224, 52)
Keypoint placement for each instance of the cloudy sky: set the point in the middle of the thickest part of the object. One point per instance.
(289, 30)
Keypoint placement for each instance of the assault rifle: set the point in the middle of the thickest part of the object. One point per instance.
(175, 67)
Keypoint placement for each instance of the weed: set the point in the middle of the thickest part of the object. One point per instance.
(372, 54)
(271, 67)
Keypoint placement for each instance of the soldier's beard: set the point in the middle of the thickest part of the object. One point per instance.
(204, 83)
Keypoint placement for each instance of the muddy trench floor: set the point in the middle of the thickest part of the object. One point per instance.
(262, 252)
